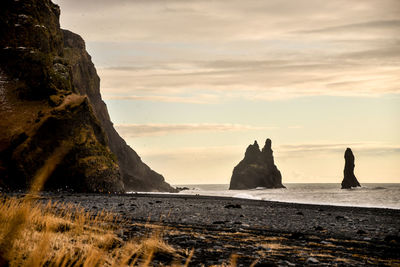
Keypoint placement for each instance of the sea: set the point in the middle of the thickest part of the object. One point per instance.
(369, 195)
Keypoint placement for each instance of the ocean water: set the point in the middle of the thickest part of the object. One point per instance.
(369, 195)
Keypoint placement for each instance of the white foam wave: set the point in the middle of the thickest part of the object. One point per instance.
(370, 195)
(246, 196)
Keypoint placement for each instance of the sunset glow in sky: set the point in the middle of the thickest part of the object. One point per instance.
(190, 84)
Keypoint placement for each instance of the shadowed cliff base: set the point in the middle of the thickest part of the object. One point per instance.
(257, 169)
(50, 94)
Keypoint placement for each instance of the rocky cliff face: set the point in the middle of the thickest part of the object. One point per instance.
(135, 174)
(349, 179)
(50, 97)
(257, 169)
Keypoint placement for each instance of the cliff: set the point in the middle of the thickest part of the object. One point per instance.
(349, 179)
(50, 97)
(257, 169)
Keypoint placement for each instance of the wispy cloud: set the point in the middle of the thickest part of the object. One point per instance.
(206, 152)
(178, 20)
(381, 25)
(280, 151)
(199, 99)
(318, 148)
(188, 51)
(203, 82)
(152, 129)
(231, 155)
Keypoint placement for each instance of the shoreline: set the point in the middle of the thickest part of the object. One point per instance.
(196, 196)
(157, 194)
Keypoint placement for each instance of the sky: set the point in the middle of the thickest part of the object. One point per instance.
(190, 84)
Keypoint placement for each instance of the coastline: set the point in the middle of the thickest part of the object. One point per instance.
(161, 195)
(268, 232)
(373, 195)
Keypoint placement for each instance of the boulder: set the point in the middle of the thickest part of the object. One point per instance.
(349, 179)
(257, 169)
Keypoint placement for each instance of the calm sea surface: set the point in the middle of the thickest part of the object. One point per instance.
(370, 195)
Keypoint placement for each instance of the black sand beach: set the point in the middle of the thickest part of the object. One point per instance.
(261, 232)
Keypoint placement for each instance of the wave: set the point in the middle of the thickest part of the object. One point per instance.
(378, 188)
(371, 195)
(246, 196)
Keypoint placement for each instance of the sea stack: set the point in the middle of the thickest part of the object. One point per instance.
(349, 179)
(257, 169)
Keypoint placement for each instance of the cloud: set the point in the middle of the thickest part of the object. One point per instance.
(381, 25)
(201, 51)
(325, 148)
(232, 154)
(389, 54)
(205, 20)
(199, 99)
(154, 129)
(206, 153)
(216, 81)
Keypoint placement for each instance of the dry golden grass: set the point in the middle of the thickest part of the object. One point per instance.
(37, 233)
(34, 233)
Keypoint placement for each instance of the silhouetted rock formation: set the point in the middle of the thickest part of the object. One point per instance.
(257, 169)
(50, 97)
(349, 179)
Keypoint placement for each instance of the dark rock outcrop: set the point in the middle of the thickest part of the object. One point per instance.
(257, 169)
(349, 179)
(50, 97)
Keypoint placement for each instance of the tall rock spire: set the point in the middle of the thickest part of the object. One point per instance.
(349, 179)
